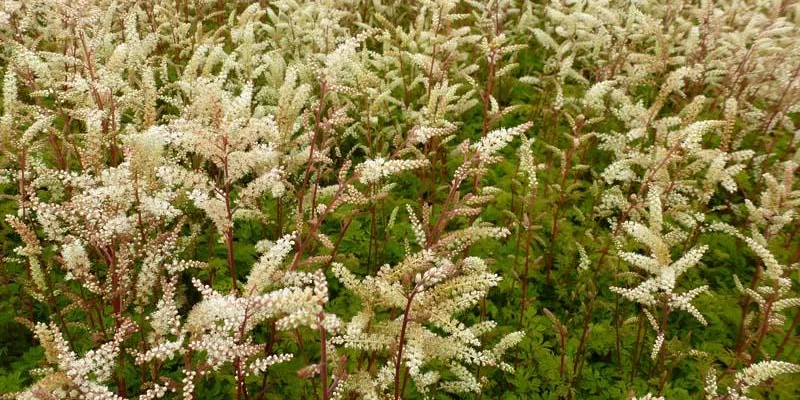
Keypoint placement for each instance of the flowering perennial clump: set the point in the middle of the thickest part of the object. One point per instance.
(386, 199)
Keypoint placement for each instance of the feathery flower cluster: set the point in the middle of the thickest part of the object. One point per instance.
(657, 292)
(373, 170)
(497, 139)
